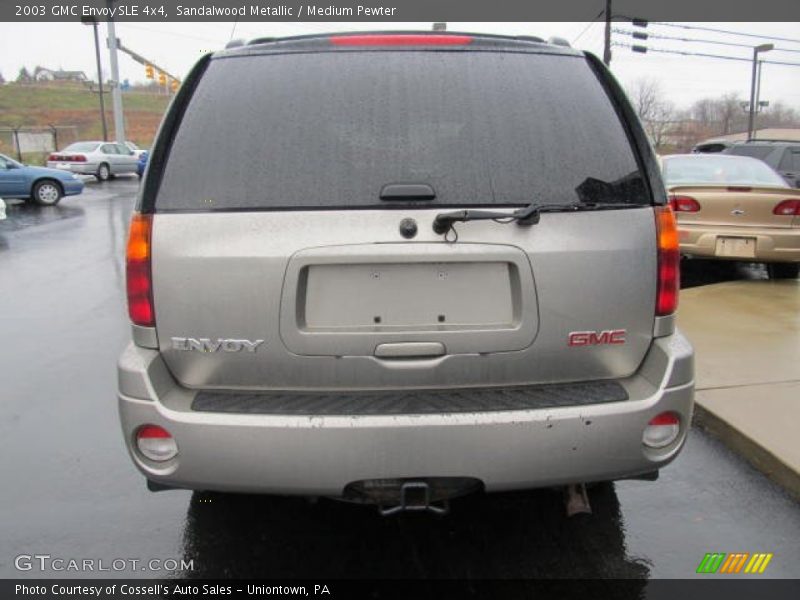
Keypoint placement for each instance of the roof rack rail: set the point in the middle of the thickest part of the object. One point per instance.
(558, 41)
(781, 140)
(529, 38)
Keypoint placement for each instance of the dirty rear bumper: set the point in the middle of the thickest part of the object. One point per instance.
(321, 455)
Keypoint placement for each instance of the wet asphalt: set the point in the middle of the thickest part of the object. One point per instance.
(69, 489)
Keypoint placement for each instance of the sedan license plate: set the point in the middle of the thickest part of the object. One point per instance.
(64, 166)
(736, 247)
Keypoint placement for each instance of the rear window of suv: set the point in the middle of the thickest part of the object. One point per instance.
(760, 152)
(330, 129)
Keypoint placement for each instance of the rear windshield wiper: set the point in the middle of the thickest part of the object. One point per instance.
(525, 216)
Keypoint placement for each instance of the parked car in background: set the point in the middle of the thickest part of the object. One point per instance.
(137, 152)
(41, 185)
(142, 164)
(463, 296)
(104, 160)
(783, 156)
(734, 208)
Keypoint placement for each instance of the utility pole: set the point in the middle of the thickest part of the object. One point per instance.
(607, 42)
(116, 91)
(93, 22)
(751, 116)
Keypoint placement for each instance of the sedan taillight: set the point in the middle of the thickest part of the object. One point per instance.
(53, 157)
(684, 204)
(787, 208)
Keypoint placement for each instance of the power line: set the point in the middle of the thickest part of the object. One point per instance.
(705, 55)
(698, 41)
(727, 31)
(585, 29)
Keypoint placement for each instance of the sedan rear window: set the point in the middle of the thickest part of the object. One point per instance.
(331, 129)
(710, 169)
(82, 147)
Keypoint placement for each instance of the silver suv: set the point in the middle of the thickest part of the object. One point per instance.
(396, 268)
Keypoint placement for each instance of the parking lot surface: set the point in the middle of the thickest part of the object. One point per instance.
(71, 491)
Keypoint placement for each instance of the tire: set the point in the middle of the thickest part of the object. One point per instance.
(103, 172)
(46, 193)
(783, 270)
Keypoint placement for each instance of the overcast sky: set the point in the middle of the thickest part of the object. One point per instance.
(684, 79)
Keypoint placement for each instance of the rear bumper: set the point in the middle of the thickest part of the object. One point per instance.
(772, 244)
(320, 455)
(87, 168)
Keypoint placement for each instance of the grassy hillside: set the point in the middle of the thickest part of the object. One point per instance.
(74, 104)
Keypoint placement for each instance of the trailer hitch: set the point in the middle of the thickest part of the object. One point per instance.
(416, 496)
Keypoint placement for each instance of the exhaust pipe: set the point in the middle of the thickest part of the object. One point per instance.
(576, 500)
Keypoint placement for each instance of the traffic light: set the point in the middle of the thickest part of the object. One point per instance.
(148, 71)
(174, 85)
(162, 78)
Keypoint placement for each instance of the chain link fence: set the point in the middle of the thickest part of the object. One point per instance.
(33, 144)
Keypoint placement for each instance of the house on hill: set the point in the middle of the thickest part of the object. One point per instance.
(43, 74)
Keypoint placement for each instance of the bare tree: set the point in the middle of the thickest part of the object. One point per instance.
(656, 112)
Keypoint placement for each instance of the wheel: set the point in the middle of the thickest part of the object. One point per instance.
(783, 270)
(103, 172)
(46, 193)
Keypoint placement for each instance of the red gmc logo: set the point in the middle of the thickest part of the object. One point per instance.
(596, 338)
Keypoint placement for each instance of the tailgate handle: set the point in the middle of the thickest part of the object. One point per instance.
(409, 349)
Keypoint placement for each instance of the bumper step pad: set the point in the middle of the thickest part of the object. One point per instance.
(407, 402)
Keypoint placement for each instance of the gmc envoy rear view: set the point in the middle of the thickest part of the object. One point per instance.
(395, 268)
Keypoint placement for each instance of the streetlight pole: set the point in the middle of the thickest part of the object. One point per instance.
(116, 91)
(751, 117)
(93, 22)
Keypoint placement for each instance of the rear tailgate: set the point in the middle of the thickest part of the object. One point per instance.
(739, 206)
(277, 265)
(497, 307)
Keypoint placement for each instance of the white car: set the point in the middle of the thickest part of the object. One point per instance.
(2, 209)
(104, 160)
(135, 149)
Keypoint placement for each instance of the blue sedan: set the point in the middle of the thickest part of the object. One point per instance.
(142, 164)
(43, 186)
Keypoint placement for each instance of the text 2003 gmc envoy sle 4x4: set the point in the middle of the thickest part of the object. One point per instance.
(396, 268)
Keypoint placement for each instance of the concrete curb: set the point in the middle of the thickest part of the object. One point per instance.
(755, 454)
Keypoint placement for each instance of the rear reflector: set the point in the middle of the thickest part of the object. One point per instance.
(156, 443)
(787, 208)
(662, 430)
(401, 40)
(139, 281)
(684, 204)
(668, 262)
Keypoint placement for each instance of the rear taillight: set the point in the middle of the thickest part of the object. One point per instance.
(156, 443)
(787, 208)
(684, 204)
(53, 157)
(402, 39)
(139, 279)
(661, 430)
(668, 262)
(78, 158)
